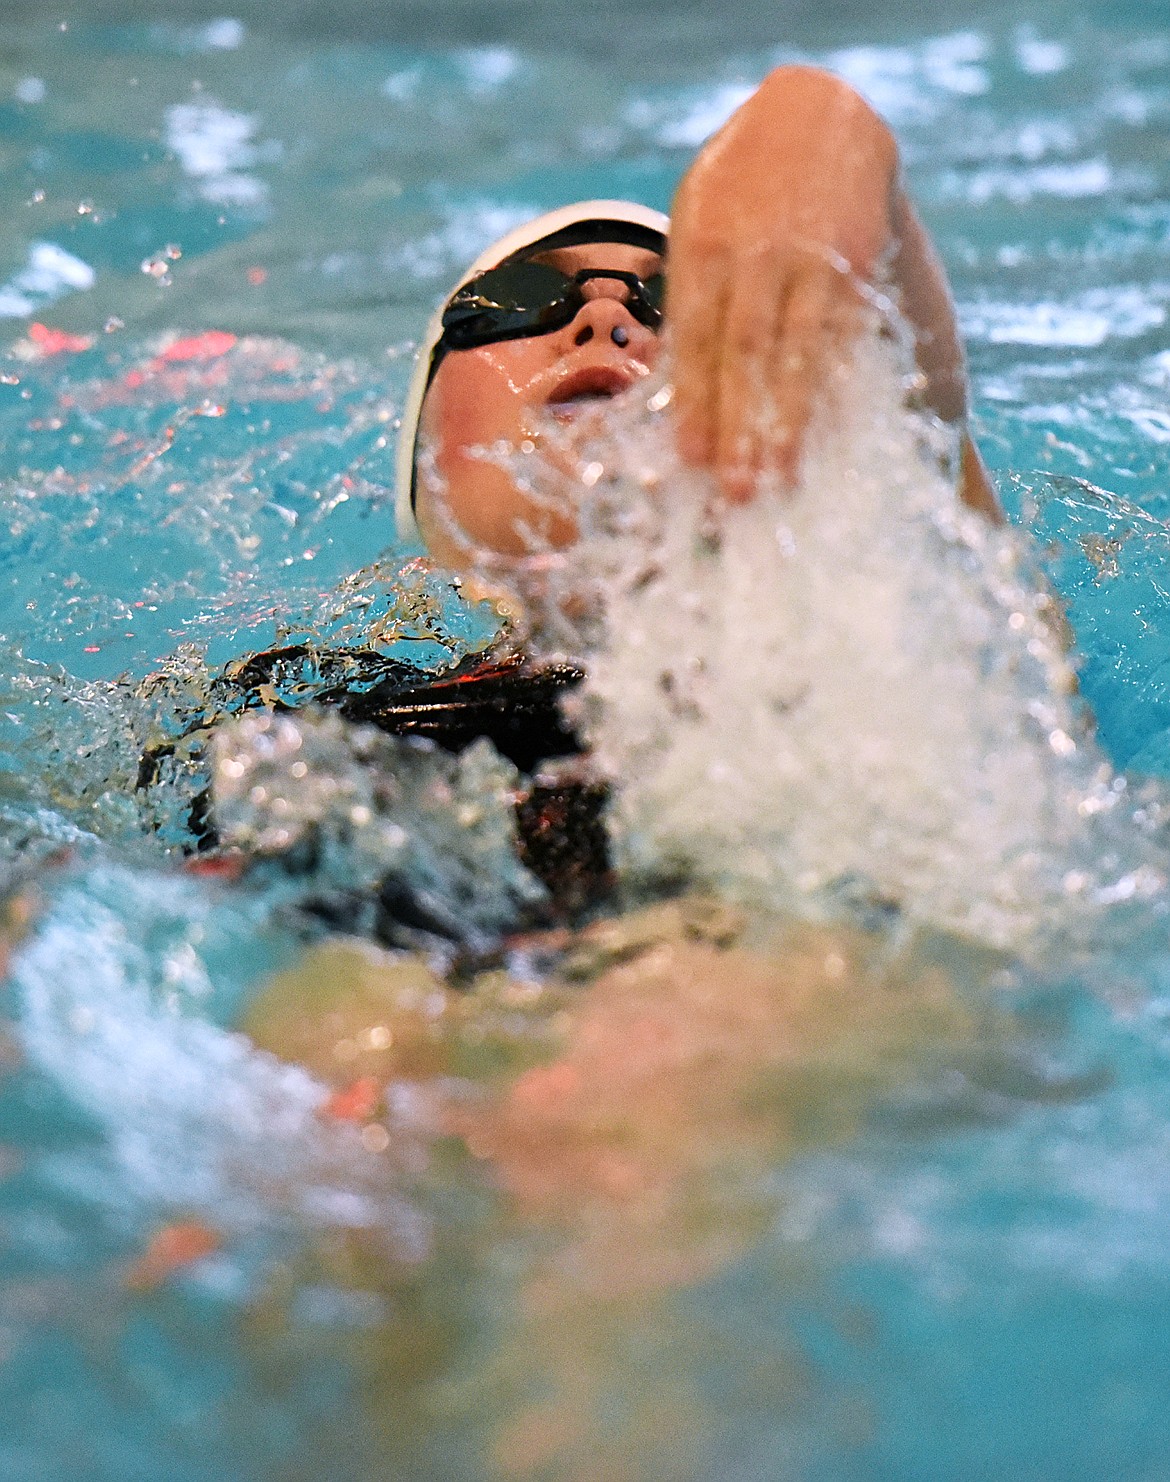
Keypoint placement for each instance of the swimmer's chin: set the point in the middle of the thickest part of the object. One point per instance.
(545, 609)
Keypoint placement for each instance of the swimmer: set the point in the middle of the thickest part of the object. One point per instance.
(790, 222)
(658, 1078)
(789, 219)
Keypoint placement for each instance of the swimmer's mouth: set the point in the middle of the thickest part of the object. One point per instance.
(592, 383)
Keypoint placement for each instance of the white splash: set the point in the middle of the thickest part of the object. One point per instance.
(1071, 180)
(486, 69)
(402, 86)
(215, 147)
(467, 229)
(854, 694)
(226, 33)
(1153, 421)
(367, 807)
(49, 274)
(1086, 321)
(911, 84)
(702, 115)
(1039, 58)
(955, 63)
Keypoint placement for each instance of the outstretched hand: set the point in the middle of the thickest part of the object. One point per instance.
(777, 227)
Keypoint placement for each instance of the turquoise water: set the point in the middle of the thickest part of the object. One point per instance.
(243, 222)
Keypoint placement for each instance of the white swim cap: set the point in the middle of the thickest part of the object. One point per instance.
(563, 220)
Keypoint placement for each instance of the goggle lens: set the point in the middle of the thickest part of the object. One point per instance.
(525, 298)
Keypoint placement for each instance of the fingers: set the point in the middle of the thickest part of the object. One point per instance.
(696, 305)
(798, 369)
(820, 316)
(747, 348)
(756, 344)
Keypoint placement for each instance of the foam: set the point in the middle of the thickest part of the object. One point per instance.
(857, 693)
(367, 806)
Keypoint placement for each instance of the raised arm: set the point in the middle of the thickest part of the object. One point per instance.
(796, 202)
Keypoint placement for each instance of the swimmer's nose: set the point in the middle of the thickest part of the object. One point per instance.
(604, 314)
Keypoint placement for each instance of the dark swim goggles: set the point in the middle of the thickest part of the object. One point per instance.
(524, 298)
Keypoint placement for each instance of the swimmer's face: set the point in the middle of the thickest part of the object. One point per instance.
(498, 394)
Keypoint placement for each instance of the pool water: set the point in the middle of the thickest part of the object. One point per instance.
(909, 1222)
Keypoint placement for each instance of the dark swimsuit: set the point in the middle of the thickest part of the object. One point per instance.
(512, 702)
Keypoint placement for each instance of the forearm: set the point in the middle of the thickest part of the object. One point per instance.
(925, 300)
(837, 167)
(845, 149)
(793, 205)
